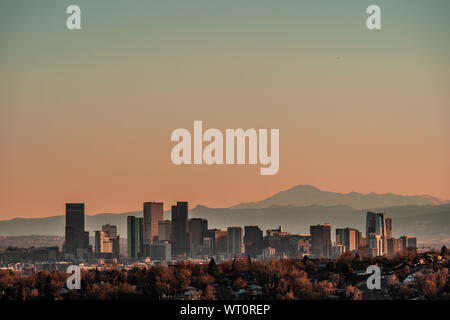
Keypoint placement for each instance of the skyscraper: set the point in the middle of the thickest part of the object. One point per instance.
(180, 229)
(135, 237)
(110, 229)
(103, 243)
(375, 242)
(160, 251)
(219, 240)
(76, 239)
(107, 241)
(388, 222)
(165, 230)
(408, 243)
(321, 246)
(380, 225)
(349, 238)
(153, 213)
(235, 240)
(394, 246)
(197, 230)
(253, 241)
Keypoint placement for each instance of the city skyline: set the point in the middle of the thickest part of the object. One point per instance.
(255, 257)
(276, 210)
(167, 207)
(191, 238)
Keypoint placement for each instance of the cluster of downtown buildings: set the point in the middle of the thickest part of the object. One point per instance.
(152, 238)
(378, 240)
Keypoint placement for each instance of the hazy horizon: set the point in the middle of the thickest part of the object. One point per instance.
(167, 206)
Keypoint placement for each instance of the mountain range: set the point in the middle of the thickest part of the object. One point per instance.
(307, 195)
(296, 209)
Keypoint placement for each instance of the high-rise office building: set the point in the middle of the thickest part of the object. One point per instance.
(276, 232)
(284, 243)
(103, 243)
(304, 244)
(153, 214)
(160, 251)
(76, 239)
(380, 225)
(253, 241)
(235, 240)
(349, 238)
(408, 243)
(388, 222)
(180, 229)
(165, 230)
(218, 241)
(107, 242)
(375, 223)
(294, 245)
(394, 246)
(110, 229)
(321, 246)
(208, 244)
(375, 242)
(197, 230)
(135, 237)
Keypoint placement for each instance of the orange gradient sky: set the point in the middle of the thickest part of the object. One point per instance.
(86, 116)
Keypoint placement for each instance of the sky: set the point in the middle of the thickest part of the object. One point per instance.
(86, 115)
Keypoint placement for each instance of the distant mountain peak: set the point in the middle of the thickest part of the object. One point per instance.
(199, 207)
(306, 195)
(305, 187)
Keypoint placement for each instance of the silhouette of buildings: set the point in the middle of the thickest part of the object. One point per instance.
(107, 245)
(162, 240)
(76, 239)
(388, 222)
(253, 241)
(135, 237)
(349, 238)
(218, 241)
(321, 246)
(235, 241)
(276, 232)
(408, 243)
(165, 230)
(378, 231)
(180, 229)
(161, 251)
(40, 254)
(153, 214)
(197, 230)
(375, 245)
(394, 246)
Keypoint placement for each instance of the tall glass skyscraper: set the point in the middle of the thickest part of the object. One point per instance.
(153, 214)
(377, 224)
(321, 246)
(180, 229)
(75, 236)
(135, 237)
